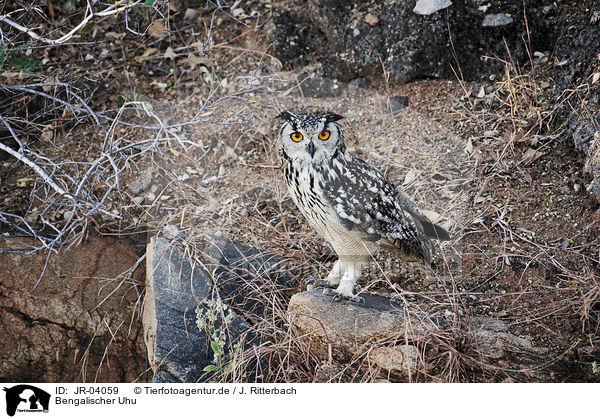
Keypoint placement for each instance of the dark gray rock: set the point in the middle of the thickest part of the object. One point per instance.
(47, 326)
(178, 283)
(295, 38)
(583, 136)
(244, 275)
(407, 44)
(586, 138)
(175, 286)
(578, 48)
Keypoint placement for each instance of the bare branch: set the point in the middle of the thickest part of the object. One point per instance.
(90, 14)
(41, 172)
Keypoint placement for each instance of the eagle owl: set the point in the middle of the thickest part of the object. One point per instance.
(350, 203)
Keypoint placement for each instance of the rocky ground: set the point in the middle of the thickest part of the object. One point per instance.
(492, 158)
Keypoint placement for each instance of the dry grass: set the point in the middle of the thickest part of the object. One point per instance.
(531, 210)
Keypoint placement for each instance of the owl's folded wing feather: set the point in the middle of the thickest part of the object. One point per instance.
(366, 201)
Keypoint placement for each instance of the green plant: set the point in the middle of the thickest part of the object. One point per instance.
(9, 57)
(213, 317)
(4, 55)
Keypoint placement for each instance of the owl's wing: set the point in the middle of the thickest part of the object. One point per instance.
(366, 201)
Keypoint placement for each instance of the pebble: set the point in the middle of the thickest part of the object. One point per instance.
(428, 7)
(371, 19)
(496, 19)
(142, 183)
(189, 14)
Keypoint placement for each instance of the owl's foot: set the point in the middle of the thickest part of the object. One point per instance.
(355, 298)
(337, 297)
(317, 283)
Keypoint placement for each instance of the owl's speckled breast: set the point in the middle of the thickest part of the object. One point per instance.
(305, 185)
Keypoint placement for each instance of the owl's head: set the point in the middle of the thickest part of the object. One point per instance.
(310, 139)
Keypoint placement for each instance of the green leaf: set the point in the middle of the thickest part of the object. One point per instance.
(216, 347)
(120, 99)
(3, 57)
(149, 2)
(210, 368)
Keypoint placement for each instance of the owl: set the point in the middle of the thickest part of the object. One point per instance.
(347, 201)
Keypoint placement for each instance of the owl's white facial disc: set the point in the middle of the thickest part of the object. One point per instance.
(310, 139)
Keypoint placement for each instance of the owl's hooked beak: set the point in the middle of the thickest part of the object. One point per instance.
(311, 149)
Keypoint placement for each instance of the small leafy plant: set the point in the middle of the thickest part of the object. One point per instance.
(213, 317)
(10, 57)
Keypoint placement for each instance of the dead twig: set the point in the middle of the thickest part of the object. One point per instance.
(90, 14)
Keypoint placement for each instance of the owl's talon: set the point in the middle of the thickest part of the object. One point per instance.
(358, 299)
(355, 299)
(317, 282)
(337, 297)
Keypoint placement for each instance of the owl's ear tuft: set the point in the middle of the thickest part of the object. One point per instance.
(286, 116)
(332, 117)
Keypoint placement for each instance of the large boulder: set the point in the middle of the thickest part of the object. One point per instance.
(424, 39)
(387, 332)
(578, 83)
(214, 279)
(79, 323)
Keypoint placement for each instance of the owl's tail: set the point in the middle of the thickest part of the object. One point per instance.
(418, 248)
(413, 250)
(434, 231)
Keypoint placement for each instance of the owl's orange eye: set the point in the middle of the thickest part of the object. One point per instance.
(296, 136)
(324, 135)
